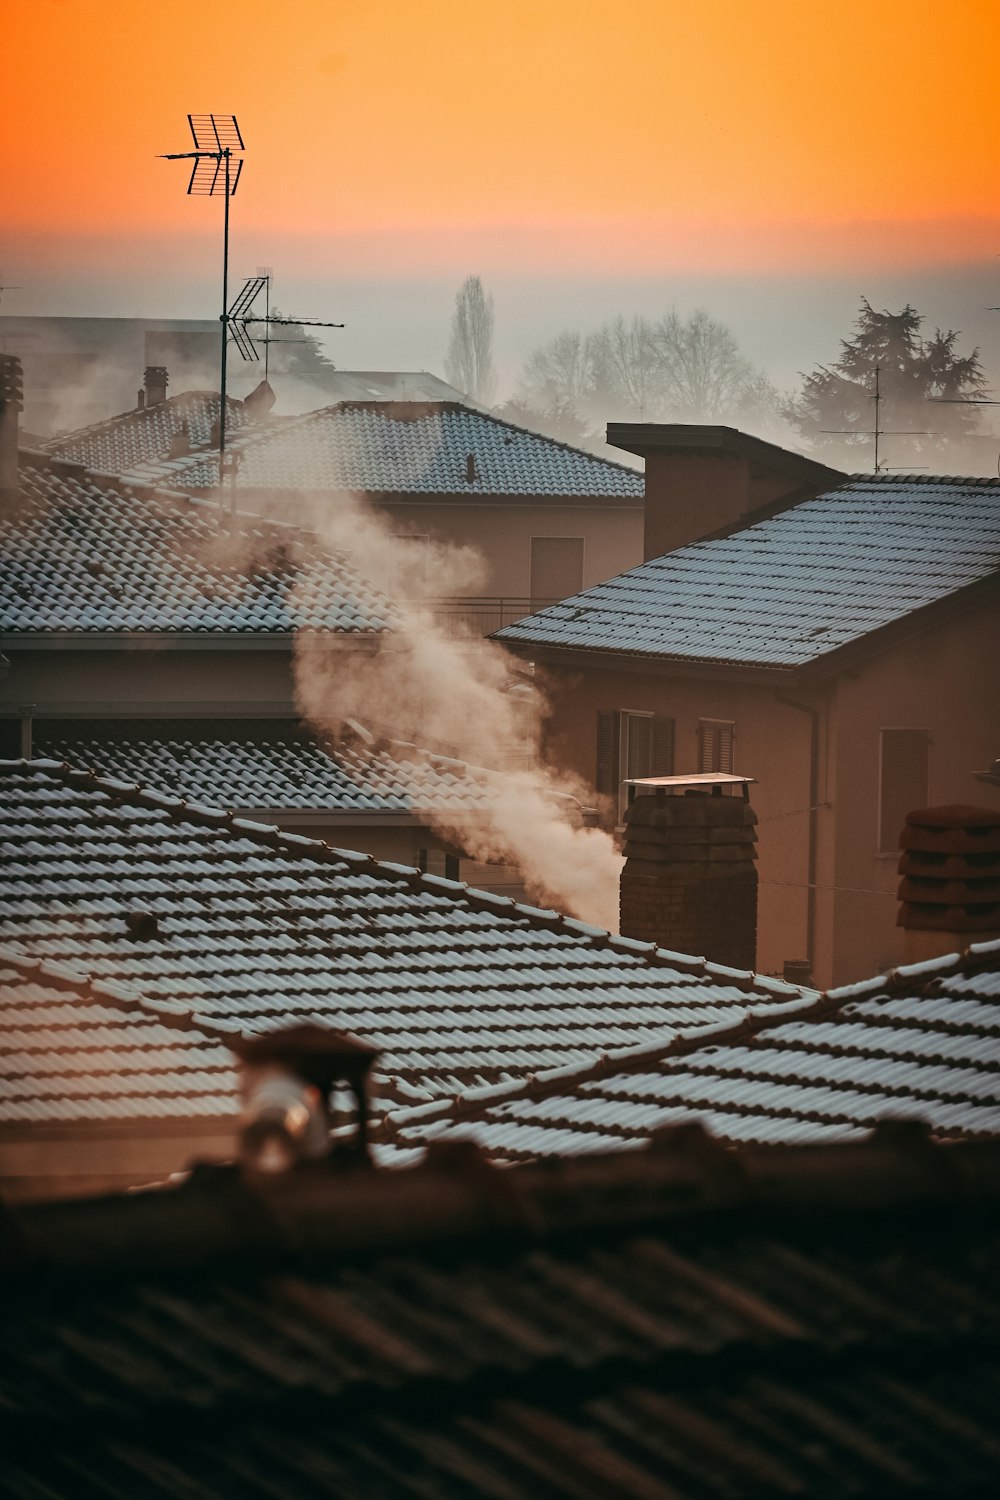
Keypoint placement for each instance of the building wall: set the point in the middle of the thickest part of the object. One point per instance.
(945, 681)
(501, 532)
(771, 744)
(159, 682)
(948, 683)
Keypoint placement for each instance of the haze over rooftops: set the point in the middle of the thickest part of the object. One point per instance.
(267, 765)
(403, 447)
(265, 928)
(144, 435)
(790, 590)
(85, 554)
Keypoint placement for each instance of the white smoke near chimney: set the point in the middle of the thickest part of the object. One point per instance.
(453, 695)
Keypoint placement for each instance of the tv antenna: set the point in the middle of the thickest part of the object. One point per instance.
(215, 171)
(241, 316)
(879, 431)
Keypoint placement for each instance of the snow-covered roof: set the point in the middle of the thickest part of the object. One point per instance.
(788, 590)
(438, 448)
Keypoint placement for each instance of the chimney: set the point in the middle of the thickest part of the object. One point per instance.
(700, 480)
(950, 888)
(287, 1082)
(690, 881)
(140, 399)
(155, 382)
(11, 392)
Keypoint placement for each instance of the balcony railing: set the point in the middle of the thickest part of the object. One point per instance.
(479, 617)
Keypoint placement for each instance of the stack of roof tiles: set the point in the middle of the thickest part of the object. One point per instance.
(792, 589)
(922, 1042)
(89, 555)
(263, 928)
(438, 448)
(950, 866)
(145, 435)
(677, 1325)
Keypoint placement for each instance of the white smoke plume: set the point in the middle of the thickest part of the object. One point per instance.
(453, 695)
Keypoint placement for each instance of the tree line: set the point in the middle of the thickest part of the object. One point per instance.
(691, 369)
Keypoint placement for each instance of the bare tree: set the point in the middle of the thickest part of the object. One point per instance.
(702, 374)
(556, 377)
(468, 363)
(625, 376)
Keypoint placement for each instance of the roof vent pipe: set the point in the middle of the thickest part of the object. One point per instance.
(470, 468)
(287, 1083)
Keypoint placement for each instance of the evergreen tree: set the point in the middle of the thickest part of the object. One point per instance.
(835, 411)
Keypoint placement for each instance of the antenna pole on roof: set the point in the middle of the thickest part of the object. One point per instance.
(217, 139)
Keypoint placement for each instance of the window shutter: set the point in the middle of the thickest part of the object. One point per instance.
(607, 752)
(662, 763)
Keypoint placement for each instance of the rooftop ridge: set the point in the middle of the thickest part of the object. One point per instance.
(301, 846)
(988, 481)
(812, 1007)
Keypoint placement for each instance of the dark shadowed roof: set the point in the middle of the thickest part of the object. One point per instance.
(675, 1324)
(145, 435)
(407, 448)
(264, 928)
(85, 554)
(922, 1042)
(792, 589)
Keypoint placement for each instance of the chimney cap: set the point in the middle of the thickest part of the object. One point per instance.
(696, 779)
(316, 1054)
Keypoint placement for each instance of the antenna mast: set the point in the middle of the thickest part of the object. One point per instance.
(216, 168)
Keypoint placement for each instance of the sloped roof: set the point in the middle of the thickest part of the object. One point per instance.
(789, 590)
(406, 448)
(263, 927)
(143, 436)
(671, 1325)
(85, 553)
(259, 764)
(922, 1042)
(80, 1050)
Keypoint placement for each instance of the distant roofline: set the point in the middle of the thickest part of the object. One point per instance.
(644, 438)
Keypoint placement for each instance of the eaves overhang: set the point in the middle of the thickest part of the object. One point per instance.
(661, 666)
(186, 640)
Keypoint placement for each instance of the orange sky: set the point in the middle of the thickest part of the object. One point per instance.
(636, 135)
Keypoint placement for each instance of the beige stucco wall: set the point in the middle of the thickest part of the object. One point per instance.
(946, 681)
(501, 530)
(772, 744)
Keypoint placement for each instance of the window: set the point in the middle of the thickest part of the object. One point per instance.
(902, 781)
(556, 568)
(715, 744)
(631, 743)
(437, 862)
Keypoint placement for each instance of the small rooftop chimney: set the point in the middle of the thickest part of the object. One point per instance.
(288, 1079)
(690, 882)
(260, 401)
(700, 479)
(950, 888)
(155, 382)
(11, 392)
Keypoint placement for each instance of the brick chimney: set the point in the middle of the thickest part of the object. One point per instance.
(690, 881)
(155, 384)
(11, 391)
(701, 480)
(950, 888)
